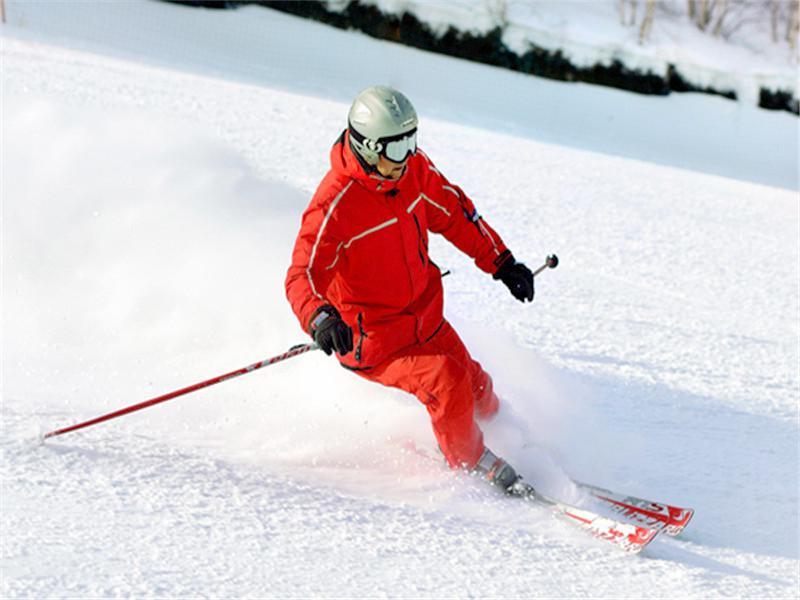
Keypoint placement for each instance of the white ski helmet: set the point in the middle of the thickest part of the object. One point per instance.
(382, 121)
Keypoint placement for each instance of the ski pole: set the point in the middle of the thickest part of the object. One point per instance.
(293, 351)
(551, 262)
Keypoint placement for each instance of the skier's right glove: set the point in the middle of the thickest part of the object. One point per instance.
(330, 332)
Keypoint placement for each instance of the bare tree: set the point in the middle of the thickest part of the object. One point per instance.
(703, 17)
(793, 24)
(722, 18)
(498, 9)
(622, 11)
(647, 22)
(723, 9)
(775, 17)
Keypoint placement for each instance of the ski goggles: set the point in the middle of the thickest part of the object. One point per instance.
(399, 148)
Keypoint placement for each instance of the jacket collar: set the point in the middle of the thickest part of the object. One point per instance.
(344, 162)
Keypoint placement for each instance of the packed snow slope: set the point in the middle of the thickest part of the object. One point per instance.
(259, 46)
(149, 206)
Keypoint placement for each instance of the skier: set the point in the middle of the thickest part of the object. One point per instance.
(363, 286)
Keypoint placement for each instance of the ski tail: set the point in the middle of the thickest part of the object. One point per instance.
(670, 519)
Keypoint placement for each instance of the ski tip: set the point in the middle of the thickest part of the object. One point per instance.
(626, 536)
(678, 521)
(638, 540)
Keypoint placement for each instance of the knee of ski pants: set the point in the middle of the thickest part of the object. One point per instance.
(446, 389)
(444, 385)
(486, 401)
(448, 396)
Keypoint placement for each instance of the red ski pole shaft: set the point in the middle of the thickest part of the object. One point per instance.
(296, 350)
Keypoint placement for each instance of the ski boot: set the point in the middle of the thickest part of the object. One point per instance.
(496, 471)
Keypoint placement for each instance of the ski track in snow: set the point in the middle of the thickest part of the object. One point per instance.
(137, 517)
(146, 247)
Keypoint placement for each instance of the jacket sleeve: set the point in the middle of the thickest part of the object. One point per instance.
(313, 262)
(451, 213)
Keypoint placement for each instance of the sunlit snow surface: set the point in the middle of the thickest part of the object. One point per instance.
(148, 214)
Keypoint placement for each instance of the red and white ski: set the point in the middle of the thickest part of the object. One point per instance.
(627, 536)
(672, 520)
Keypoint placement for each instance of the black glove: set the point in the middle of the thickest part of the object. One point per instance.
(518, 279)
(330, 332)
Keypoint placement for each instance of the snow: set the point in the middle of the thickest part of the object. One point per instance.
(588, 33)
(703, 133)
(151, 190)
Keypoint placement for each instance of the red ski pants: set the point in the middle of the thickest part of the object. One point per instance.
(452, 386)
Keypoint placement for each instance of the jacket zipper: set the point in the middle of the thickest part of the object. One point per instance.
(421, 239)
(361, 336)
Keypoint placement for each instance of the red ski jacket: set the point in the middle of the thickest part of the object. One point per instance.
(363, 248)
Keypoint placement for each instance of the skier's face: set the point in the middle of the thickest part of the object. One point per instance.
(390, 169)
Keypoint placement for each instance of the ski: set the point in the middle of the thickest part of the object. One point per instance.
(627, 536)
(672, 520)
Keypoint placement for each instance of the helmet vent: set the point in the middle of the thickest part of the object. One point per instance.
(394, 106)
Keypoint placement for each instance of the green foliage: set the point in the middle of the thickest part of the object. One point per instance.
(778, 100)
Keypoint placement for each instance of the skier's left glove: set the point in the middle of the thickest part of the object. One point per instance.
(517, 278)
